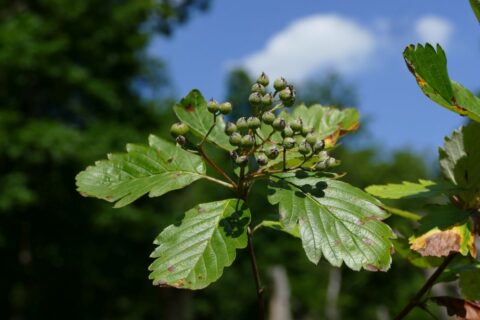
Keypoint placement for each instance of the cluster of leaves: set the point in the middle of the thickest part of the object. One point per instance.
(451, 224)
(330, 217)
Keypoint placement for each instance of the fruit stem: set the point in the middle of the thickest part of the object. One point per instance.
(216, 168)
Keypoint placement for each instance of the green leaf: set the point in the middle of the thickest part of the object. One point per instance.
(430, 70)
(476, 8)
(193, 111)
(422, 188)
(402, 248)
(277, 225)
(155, 169)
(470, 284)
(194, 254)
(334, 219)
(459, 162)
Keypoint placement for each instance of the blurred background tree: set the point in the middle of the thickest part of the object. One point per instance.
(72, 78)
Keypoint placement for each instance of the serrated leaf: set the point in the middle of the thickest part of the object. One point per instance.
(430, 70)
(422, 188)
(194, 254)
(334, 219)
(459, 162)
(193, 111)
(476, 8)
(155, 169)
(470, 284)
(448, 233)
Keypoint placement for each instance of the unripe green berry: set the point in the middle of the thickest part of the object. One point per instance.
(225, 108)
(304, 148)
(230, 128)
(181, 140)
(242, 123)
(247, 141)
(287, 132)
(262, 159)
(279, 124)
(296, 125)
(242, 161)
(263, 79)
(321, 165)
(306, 131)
(258, 88)
(255, 99)
(287, 96)
(271, 152)
(289, 143)
(235, 139)
(267, 100)
(268, 117)
(279, 84)
(179, 129)
(331, 162)
(212, 106)
(253, 122)
(311, 139)
(233, 154)
(318, 146)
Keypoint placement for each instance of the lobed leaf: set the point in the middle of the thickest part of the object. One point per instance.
(155, 169)
(194, 254)
(193, 111)
(334, 219)
(430, 70)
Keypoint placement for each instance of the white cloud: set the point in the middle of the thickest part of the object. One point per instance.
(434, 29)
(312, 44)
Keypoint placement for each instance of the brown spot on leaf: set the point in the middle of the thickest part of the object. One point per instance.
(162, 283)
(360, 222)
(171, 269)
(463, 309)
(338, 242)
(83, 194)
(367, 241)
(201, 210)
(190, 108)
(371, 267)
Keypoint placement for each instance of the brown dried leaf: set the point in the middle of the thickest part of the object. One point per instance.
(462, 309)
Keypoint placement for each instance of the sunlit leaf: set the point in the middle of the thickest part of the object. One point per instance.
(422, 188)
(193, 254)
(430, 70)
(155, 169)
(334, 219)
(192, 110)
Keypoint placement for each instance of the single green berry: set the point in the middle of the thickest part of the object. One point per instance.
(279, 124)
(247, 141)
(331, 162)
(257, 87)
(271, 152)
(255, 99)
(230, 128)
(233, 154)
(296, 125)
(287, 132)
(225, 108)
(242, 123)
(304, 148)
(262, 159)
(253, 122)
(235, 139)
(181, 140)
(289, 143)
(311, 139)
(242, 161)
(287, 96)
(263, 79)
(306, 131)
(267, 100)
(268, 117)
(212, 106)
(322, 165)
(318, 146)
(179, 129)
(280, 84)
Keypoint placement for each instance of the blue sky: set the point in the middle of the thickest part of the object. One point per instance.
(362, 40)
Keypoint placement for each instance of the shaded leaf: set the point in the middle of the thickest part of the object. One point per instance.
(430, 70)
(194, 254)
(422, 188)
(193, 111)
(155, 169)
(470, 284)
(463, 309)
(334, 219)
(476, 8)
(402, 247)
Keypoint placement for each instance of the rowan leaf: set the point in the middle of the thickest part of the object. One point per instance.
(422, 188)
(155, 169)
(193, 111)
(334, 219)
(193, 254)
(429, 66)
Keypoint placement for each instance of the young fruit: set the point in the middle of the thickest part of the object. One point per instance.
(304, 148)
(306, 131)
(267, 100)
(289, 143)
(235, 139)
(233, 154)
(230, 128)
(287, 96)
(321, 165)
(279, 84)
(255, 99)
(242, 161)
(212, 106)
(258, 88)
(263, 79)
(225, 108)
(271, 152)
(287, 132)
(262, 159)
(279, 124)
(268, 117)
(179, 129)
(296, 125)
(247, 141)
(242, 123)
(317, 147)
(311, 139)
(181, 140)
(253, 122)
